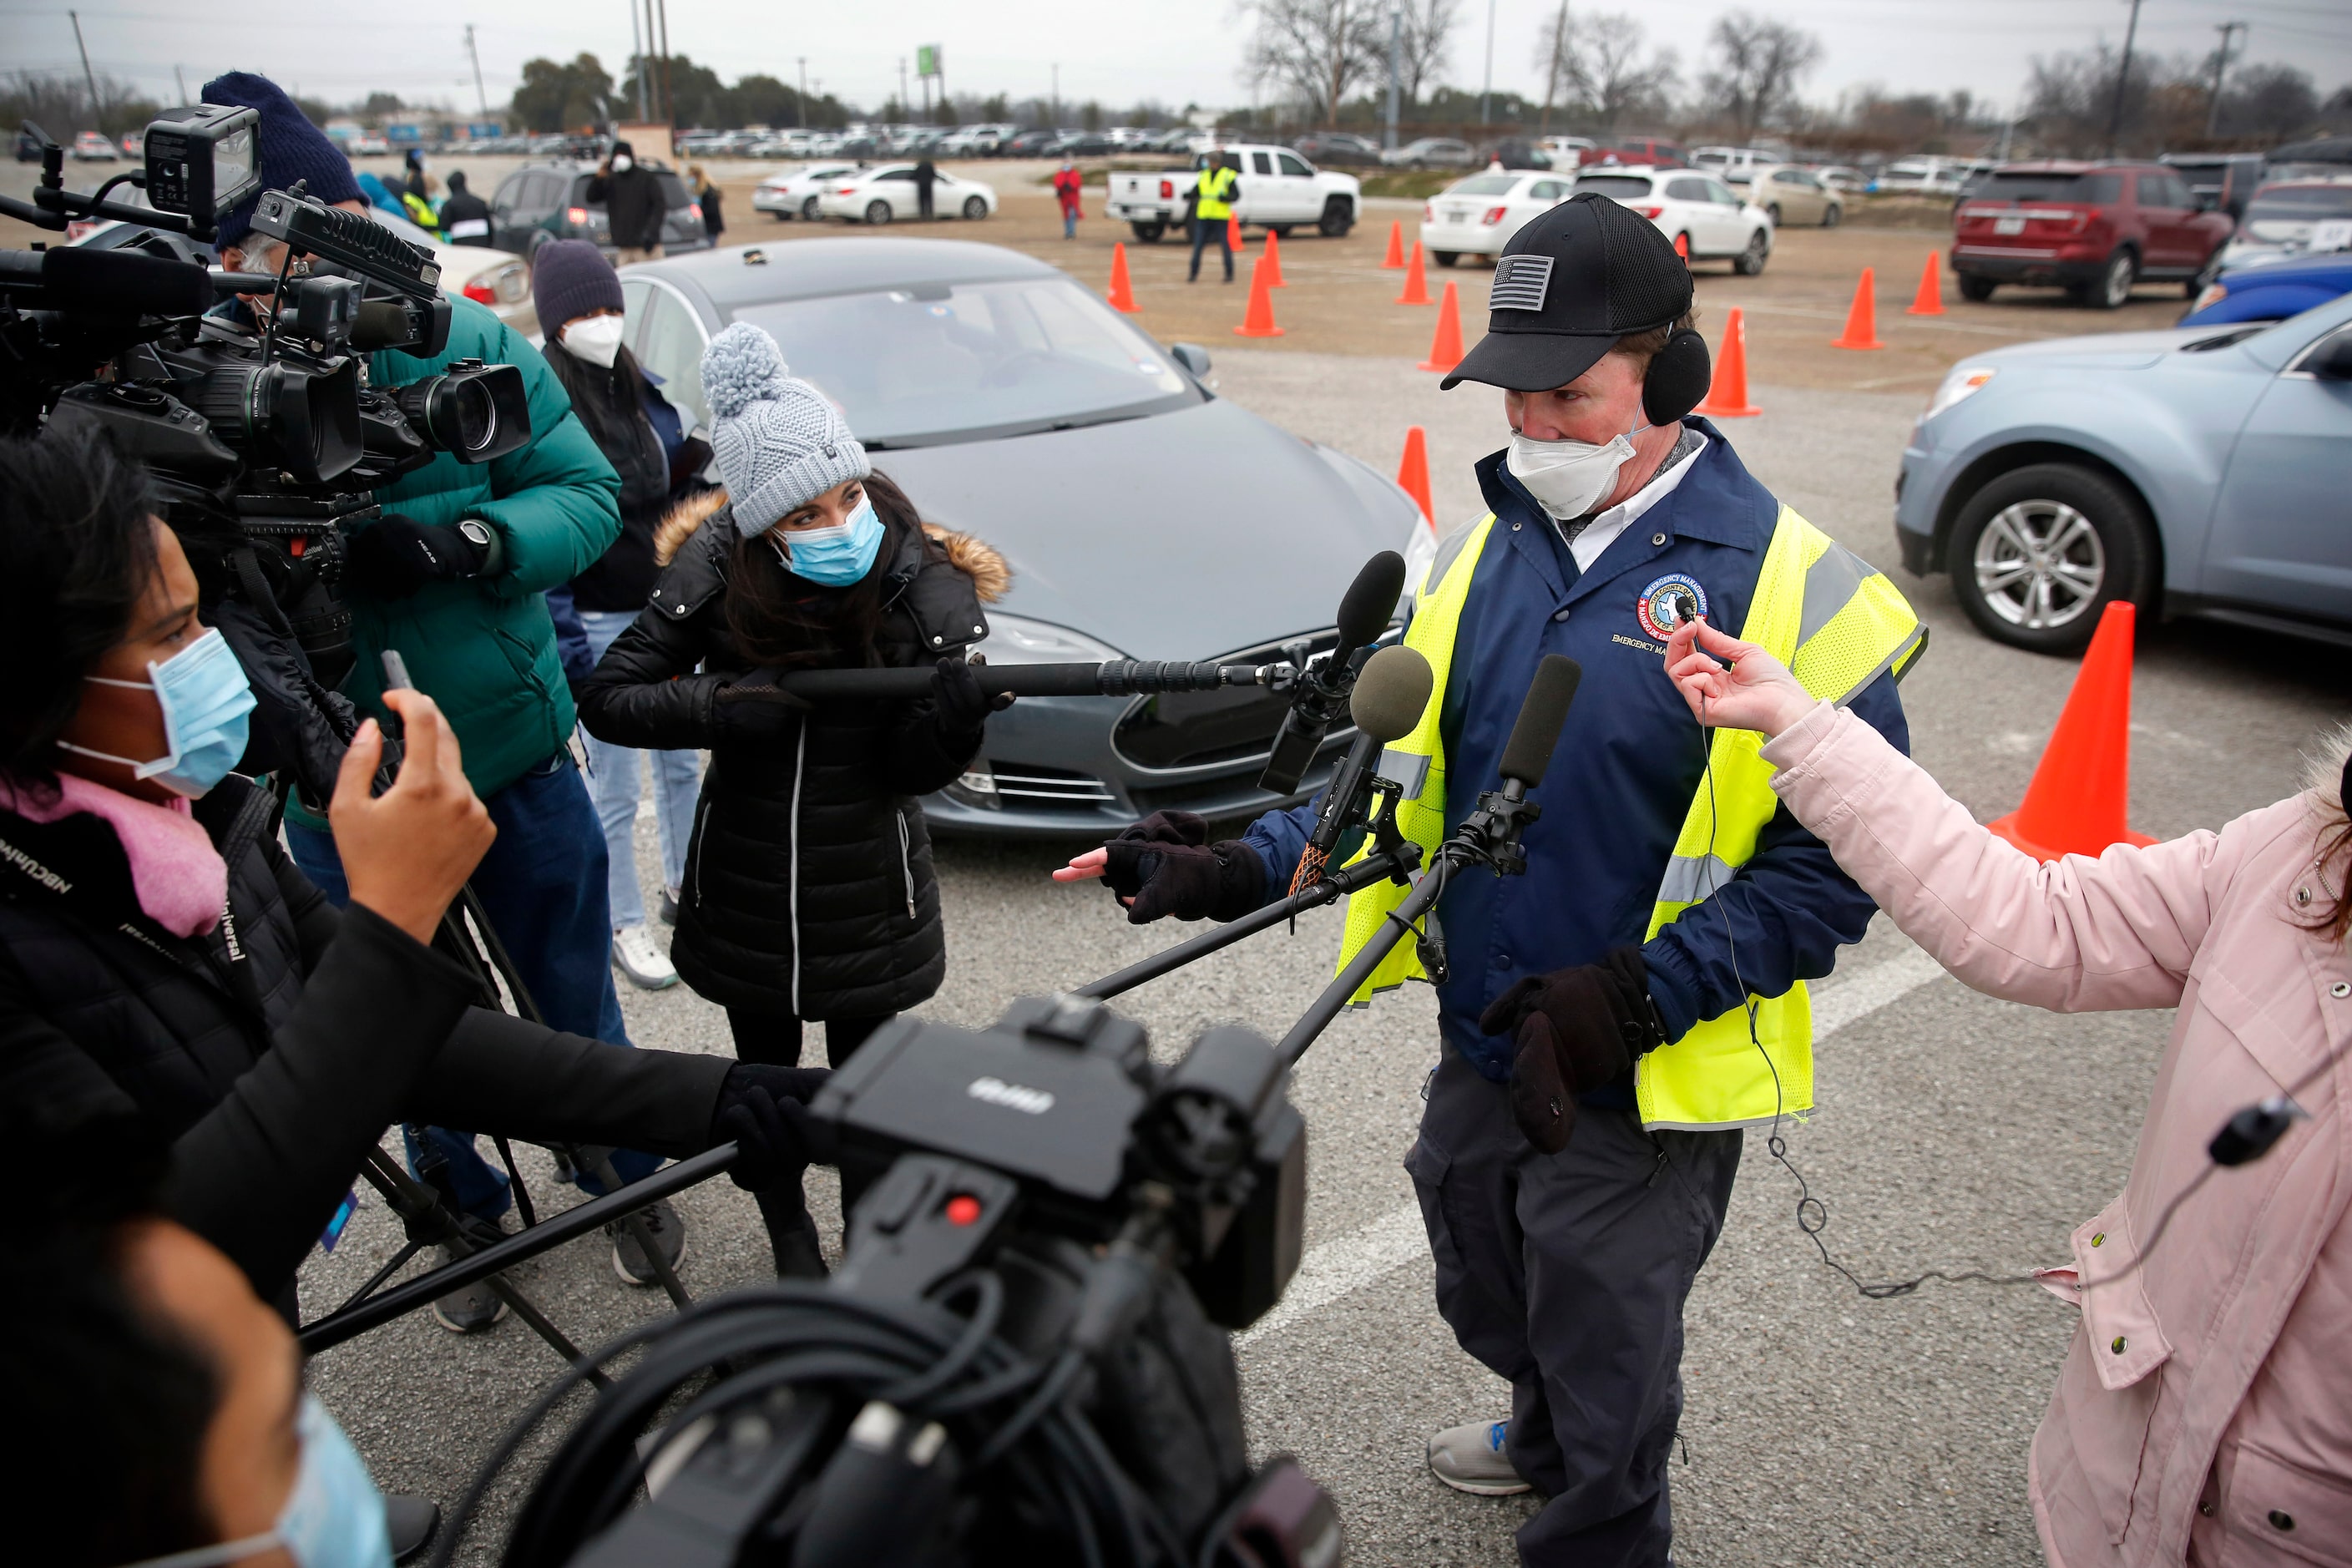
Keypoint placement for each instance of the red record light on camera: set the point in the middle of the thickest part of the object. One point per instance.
(963, 1209)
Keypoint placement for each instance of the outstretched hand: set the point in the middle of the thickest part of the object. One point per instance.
(1756, 693)
(406, 852)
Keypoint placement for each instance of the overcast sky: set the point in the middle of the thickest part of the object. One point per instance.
(1114, 50)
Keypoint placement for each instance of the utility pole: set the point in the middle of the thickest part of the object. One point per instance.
(1056, 114)
(2123, 80)
(87, 74)
(180, 77)
(2220, 66)
(904, 111)
(1488, 87)
(476, 55)
(1552, 69)
(670, 99)
(800, 106)
(1396, 35)
(641, 20)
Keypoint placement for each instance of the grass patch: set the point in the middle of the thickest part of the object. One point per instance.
(1413, 185)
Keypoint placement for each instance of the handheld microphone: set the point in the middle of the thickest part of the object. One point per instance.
(1364, 614)
(1535, 732)
(1390, 695)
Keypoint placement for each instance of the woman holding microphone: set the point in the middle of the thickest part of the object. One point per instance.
(808, 892)
(2204, 1414)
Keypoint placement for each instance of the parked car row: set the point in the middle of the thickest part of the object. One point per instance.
(1477, 217)
(874, 195)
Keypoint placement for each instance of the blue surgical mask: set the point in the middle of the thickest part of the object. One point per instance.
(332, 1519)
(206, 702)
(836, 556)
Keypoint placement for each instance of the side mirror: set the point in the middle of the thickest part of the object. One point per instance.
(2332, 361)
(1192, 357)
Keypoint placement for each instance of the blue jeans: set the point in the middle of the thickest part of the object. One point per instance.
(1204, 230)
(542, 885)
(613, 779)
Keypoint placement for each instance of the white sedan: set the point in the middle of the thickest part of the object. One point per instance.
(1477, 217)
(792, 192)
(1715, 222)
(880, 195)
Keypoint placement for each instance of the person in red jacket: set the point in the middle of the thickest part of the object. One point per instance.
(1066, 183)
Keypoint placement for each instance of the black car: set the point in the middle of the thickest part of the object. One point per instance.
(1085, 145)
(2223, 180)
(541, 201)
(1031, 144)
(1330, 148)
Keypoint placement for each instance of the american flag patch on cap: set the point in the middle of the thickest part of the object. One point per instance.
(1521, 282)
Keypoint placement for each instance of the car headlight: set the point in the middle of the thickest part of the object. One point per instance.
(2213, 295)
(1963, 382)
(1016, 640)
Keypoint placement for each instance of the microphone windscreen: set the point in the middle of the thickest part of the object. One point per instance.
(1528, 751)
(380, 324)
(1372, 600)
(123, 283)
(1392, 693)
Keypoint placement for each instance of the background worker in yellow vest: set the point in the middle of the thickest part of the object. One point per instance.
(1582, 1130)
(1214, 194)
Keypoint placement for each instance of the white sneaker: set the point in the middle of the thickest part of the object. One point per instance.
(1470, 1458)
(647, 966)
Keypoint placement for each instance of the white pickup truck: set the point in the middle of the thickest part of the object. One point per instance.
(1279, 190)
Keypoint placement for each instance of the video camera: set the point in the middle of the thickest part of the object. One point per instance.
(264, 436)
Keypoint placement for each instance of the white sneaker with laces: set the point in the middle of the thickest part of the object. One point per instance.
(1470, 1458)
(641, 959)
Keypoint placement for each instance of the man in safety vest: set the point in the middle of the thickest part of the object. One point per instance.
(1214, 194)
(1612, 1018)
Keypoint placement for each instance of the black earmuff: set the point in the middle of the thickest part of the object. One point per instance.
(1678, 378)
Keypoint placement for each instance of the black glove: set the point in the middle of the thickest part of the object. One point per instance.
(1159, 867)
(765, 1110)
(753, 710)
(398, 556)
(1576, 1029)
(956, 696)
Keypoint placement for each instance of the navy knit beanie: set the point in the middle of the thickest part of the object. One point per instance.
(570, 278)
(292, 149)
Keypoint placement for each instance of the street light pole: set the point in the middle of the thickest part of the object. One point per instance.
(800, 105)
(87, 74)
(1056, 114)
(1488, 86)
(2123, 80)
(1396, 33)
(480, 96)
(2220, 66)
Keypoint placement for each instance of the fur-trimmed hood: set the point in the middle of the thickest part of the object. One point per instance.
(991, 574)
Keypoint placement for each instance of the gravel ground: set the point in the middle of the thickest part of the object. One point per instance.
(1954, 1131)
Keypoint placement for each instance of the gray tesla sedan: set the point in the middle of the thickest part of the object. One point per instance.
(1144, 516)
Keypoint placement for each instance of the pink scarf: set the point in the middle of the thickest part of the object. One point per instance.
(181, 879)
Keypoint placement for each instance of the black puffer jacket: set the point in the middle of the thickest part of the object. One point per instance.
(809, 889)
(276, 1049)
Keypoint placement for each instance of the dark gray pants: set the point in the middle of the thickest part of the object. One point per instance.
(1566, 1274)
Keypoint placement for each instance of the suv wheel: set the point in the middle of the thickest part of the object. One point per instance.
(1337, 218)
(1976, 289)
(877, 210)
(2114, 285)
(2037, 555)
(1750, 261)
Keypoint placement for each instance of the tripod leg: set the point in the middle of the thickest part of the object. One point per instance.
(634, 1224)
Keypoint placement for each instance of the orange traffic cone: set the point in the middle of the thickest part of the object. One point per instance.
(1122, 294)
(1929, 301)
(1861, 320)
(1445, 348)
(1413, 473)
(1259, 322)
(1233, 231)
(1726, 394)
(2076, 804)
(1274, 259)
(1416, 287)
(1394, 260)
(1681, 247)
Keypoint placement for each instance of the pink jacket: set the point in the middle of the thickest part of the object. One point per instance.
(2204, 1412)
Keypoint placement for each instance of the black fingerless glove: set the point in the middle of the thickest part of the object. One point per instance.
(398, 555)
(962, 706)
(1159, 867)
(765, 1110)
(1576, 1029)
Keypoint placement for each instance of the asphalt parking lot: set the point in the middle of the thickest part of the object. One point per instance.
(1953, 1132)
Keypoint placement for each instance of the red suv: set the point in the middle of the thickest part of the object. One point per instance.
(2095, 229)
(1634, 149)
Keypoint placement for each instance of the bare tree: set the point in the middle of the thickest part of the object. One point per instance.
(1427, 39)
(1758, 64)
(2269, 100)
(1606, 62)
(1318, 48)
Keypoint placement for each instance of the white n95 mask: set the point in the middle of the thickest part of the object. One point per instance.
(596, 339)
(1567, 478)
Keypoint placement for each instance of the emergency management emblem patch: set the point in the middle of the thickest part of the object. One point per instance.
(1520, 283)
(1668, 603)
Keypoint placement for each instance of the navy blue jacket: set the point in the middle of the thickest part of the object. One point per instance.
(1629, 762)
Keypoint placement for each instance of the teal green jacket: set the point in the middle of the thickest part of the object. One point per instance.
(483, 648)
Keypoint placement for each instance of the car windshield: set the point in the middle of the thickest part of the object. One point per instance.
(1484, 185)
(938, 363)
(2032, 187)
(1616, 187)
(2288, 214)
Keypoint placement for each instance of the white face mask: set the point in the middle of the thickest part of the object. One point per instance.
(596, 339)
(1567, 478)
(623, 163)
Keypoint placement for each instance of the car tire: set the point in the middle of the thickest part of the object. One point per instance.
(1148, 233)
(877, 212)
(1445, 257)
(1337, 218)
(2113, 286)
(2094, 542)
(809, 210)
(975, 208)
(1773, 212)
(1832, 216)
(1976, 289)
(1750, 261)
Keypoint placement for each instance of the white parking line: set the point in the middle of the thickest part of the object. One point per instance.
(1348, 1263)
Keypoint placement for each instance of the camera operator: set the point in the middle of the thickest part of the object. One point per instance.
(452, 576)
(159, 954)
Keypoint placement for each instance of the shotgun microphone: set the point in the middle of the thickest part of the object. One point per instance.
(1364, 614)
(1391, 693)
(1535, 732)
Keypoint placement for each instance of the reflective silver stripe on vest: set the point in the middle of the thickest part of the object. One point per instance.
(1830, 583)
(1902, 651)
(1692, 877)
(1449, 549)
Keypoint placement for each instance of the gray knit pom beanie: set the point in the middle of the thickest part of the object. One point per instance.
(778, 442)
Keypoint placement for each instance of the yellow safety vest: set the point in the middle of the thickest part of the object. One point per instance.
(1215, 191)
(420, 212)
(1838, 624)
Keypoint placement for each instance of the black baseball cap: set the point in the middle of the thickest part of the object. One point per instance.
(1570, 284)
